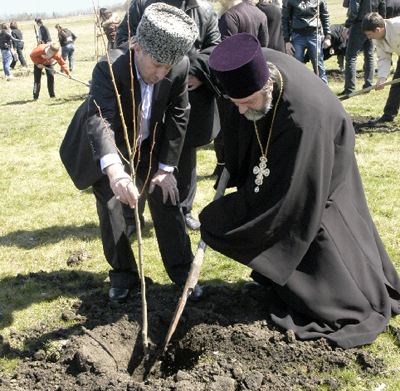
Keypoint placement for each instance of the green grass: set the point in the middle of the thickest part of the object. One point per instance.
(44, 218)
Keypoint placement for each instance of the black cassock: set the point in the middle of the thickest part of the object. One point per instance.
(308, 232)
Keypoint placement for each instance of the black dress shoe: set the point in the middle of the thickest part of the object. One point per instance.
(192, 223)
(119, 294)
(380, 120)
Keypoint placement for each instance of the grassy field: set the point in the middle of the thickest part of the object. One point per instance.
(44, 218)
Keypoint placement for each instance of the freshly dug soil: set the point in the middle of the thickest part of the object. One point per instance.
(225, 341)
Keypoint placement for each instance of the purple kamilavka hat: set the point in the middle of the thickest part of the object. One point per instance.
(240, 66)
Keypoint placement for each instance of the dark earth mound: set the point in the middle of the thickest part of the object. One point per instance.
(225, 341)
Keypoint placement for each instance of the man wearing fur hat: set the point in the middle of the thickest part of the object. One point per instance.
(204, 122)
(299, 217)
(160, 71)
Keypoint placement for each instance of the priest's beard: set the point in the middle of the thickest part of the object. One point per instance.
(255, 115)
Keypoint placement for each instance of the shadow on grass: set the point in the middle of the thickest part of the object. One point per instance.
(22, 291)
(18, 102)
(361, 125)
(73, 98)
(28, 239)
(57, 101)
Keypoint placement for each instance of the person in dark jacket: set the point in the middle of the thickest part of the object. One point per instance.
(244, 17)
(18, 46)
(274, 20)
(338, 45)
(299, 217)
(162, 112)
(392, 8)
(44, 33)
(357, 40)
(204, 123)
(300, 20)
(337, 48)
(67, 42)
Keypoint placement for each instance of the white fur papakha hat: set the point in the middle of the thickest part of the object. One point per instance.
(166, 33)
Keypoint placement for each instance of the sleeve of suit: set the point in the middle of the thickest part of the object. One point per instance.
(176, 117)
(101, 113)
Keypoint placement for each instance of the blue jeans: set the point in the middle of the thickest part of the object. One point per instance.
(68, 51)
(7, 58)
(309, 42)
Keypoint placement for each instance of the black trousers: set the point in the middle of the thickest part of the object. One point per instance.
(393, 101)
(172, 235)
(37, 74)
(187, 178)
(20, 57)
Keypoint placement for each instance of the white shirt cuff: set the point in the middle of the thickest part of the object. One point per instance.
(108, 160)
(166, 168)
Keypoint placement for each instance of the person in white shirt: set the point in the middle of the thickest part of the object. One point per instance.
(386, 35)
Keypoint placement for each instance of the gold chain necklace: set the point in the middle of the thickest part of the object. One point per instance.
(262, 170)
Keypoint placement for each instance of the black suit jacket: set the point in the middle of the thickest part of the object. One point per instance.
(96, 128)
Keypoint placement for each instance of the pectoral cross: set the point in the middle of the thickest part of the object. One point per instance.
(260, 172)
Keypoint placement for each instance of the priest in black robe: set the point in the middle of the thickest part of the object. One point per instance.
(299, 217)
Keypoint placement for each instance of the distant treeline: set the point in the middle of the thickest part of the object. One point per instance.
(43, 15)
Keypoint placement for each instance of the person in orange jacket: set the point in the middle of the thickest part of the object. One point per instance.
(43, 56)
